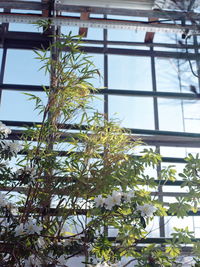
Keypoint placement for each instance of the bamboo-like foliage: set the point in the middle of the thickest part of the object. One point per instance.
(79, 177)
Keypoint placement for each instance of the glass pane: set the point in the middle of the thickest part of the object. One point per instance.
(23, 68)
(20, 27)
(161, 37)
(177, 166)
(66, 30)
(16, 106)
(129, 73)
(169, 109)
(175, 152)
(174, 221)
(133, 112)
(192, 116)
(174, 75)
(94, 34)
(98, 61)
(125, 35)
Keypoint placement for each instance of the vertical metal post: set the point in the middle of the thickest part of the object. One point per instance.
(4, 27)
(3, 64)
(105, 38)
(105, 61)
(154, 86)
(156, 123)
(196, 50)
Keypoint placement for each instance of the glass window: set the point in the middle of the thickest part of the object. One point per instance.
(98, 61)
(172, 222)
(15, 106)
(94, 34)
(133, 112)
(167, 75)
(174, 75)
(177, 166)
(175, 152)
(20, 27)
(66, 30)
(170, 115)
(129, 73)
(152, 228)
(23, 68)
(126, 35)
(161, 37)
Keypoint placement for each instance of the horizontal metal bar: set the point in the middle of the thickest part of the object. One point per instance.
(21, 87)
(173, 160)
(36, 36)
(157, 240)
(167, 133)
(70, 179)
(169, 183)
(149, 94)
(132, 130)
(128, 12)
(125, 43)
(169, 194)
(117, 92)
(170, 142)
(149, 137)
(28, 44)
(142, 53)
(16, 40)
(61, 212)
(23, 5)
(66, 190)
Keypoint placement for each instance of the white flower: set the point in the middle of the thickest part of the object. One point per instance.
(109, 203)
(127, 196)
(99, 201)
(28, 228)
(61, 261)
(103, 264)
(112, 200)
(3, 201)
(13, 147)
(117, 195)
(31, 227)
(19, 230)
(146, 210)
(14, 210)
(41, 242)
(5, 226)
(4, 129)
(32, 261)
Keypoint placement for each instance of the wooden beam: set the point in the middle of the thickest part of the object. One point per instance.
(45, 12)
(84, 16)
(150, 35)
